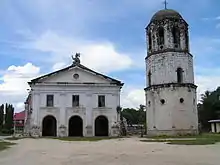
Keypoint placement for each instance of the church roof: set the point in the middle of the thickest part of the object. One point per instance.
(72, 66)
(19, 116)
(166, 13)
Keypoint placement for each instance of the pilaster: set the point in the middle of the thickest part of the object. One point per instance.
(89, 116)
(62, 129)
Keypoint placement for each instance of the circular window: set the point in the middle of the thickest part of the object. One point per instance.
(181, 100)
(162, 101)
(76, 76)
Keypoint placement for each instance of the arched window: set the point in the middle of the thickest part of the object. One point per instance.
(149, 41)
(149, 78)
(176, 36)
(161, 36)
(179, 75)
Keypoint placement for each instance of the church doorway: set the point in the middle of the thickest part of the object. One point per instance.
(49, 126)
(101, 126)
(75, 126)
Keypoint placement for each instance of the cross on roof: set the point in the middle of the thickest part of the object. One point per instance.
(165, 4)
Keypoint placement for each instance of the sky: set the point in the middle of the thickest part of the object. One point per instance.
(38, 37)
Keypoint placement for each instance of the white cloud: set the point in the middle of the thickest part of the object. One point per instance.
(132, 97)
(101, 56)
(16, 77)
(58, 66)
(19, 106)
(13, 88)
(209, 82)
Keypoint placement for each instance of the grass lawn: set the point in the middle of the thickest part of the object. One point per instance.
(3, 134)
(82, 138)
(203, 139)
(5, 145)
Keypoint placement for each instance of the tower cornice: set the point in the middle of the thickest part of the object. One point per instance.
(168, 85)
(165, 51)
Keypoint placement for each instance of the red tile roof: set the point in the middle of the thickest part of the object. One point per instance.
(19, 116)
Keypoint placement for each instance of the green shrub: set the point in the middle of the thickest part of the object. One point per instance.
(7, 132)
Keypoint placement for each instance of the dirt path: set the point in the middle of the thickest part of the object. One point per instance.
(107, 152)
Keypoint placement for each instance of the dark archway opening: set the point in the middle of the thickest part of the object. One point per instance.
(187, 40)
(101, 126)
(49, 126)
(149, 78)
(179, 75)
(75, 126)
(149, 41)
(176, 37)
(161, 36)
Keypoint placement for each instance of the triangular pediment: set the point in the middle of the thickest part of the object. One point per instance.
(76, 74)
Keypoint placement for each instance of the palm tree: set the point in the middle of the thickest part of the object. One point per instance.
(205, 96)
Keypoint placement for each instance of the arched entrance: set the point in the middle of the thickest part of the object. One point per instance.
(101, 126)
(75, 126)
(49, 126)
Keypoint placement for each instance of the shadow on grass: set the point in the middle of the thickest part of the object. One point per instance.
(4, 134)
(203, 139)
(5, 145)
(14, 138)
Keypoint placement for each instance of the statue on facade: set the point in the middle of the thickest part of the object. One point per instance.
(76, 59)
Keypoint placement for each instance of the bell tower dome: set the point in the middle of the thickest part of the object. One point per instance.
(170, 89)
(167, 31)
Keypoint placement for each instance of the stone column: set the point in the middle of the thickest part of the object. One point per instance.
(167, 38)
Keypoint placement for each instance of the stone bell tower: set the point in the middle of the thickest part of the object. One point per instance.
(170, 90)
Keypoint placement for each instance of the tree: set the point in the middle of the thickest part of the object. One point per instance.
(135, 116)
(209, 108)
(131, 115)
(9, 117)
(1, 116)
(205, 95)
(142, 114)
(142, 118)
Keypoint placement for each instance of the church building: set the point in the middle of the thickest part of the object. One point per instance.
(171, 101)
(73, 101)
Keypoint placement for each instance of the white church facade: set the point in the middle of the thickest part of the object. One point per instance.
(74, 101)
(170, 91)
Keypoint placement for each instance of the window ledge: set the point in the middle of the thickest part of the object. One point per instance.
(102, 108)
(49, 107)
(76, 107)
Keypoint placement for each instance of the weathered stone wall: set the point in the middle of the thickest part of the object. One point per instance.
(163, 67)
(167, 25)
(171, 104)
(172, 116)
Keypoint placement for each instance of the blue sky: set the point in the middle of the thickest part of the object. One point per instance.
(37, 37)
